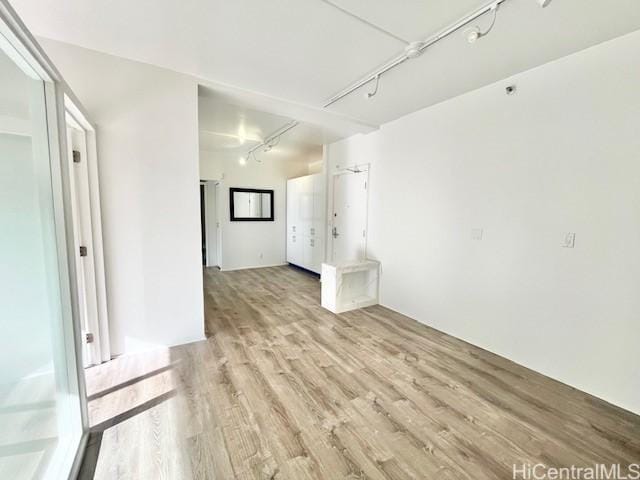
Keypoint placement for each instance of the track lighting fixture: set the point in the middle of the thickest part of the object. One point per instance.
(415, 49)
(473, 34)
(268, 144)
(375, 89)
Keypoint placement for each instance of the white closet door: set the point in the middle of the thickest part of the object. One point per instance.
(305, 204)
(312, 251)
(294, 236)
(295, 247)
(305, 221)
(292, 206)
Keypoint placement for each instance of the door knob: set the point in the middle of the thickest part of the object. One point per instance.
(335, 233)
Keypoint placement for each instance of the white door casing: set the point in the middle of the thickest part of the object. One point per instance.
(83, 238)
(212, 223)
(349, 216)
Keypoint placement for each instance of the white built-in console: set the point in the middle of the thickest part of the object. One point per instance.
(305, 221)
(350, 285)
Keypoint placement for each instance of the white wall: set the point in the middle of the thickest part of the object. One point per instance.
(559, 156)
(147, 132)
(251, 244)
(315, 160)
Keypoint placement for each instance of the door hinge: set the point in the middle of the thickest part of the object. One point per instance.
(76, 156)
(83, 251)
(88, 337)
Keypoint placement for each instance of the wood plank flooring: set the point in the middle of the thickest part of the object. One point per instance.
(283, 389)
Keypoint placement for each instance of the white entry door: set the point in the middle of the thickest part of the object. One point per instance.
(349, 229)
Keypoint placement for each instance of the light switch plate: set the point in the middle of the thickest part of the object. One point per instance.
(476, 234)
(569, 240)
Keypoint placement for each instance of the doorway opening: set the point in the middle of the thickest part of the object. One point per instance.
(210, 232)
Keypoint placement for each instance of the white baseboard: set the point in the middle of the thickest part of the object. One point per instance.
(252, 267)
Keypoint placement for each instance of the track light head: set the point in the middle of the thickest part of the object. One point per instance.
(473, 34)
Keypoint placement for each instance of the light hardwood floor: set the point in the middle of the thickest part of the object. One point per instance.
(283, 389)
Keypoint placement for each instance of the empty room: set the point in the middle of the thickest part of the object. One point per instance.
(320, 239)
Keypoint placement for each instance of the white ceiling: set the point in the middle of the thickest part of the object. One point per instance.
(304, 51)
(230, 126)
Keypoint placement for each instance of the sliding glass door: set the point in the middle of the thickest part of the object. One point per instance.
(40, 411)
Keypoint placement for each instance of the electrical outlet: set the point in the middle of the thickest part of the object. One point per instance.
(569, 240)
(476, 234)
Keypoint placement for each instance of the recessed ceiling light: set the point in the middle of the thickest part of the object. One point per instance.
(242, 161)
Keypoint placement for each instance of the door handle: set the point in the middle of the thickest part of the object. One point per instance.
(335, 233)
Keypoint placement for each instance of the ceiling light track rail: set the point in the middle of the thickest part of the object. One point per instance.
(414, 49)
(273, 139)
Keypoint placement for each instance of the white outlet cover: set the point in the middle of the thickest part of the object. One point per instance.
(569, 240)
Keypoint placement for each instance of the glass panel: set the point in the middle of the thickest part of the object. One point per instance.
(40, 422)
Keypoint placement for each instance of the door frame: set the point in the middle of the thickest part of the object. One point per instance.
(204, 224)
(212, 224)
(348, 170)
(92, 268)
(30, 55)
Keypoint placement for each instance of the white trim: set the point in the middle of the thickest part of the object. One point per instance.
(32, 58)
(68, 274)
(221, 216)
(253, 267)
(211, 195)
(91, 224)
(83, 236)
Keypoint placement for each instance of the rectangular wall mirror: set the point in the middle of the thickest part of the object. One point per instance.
(251, 205)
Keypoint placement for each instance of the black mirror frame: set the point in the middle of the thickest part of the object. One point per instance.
(247, 219)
